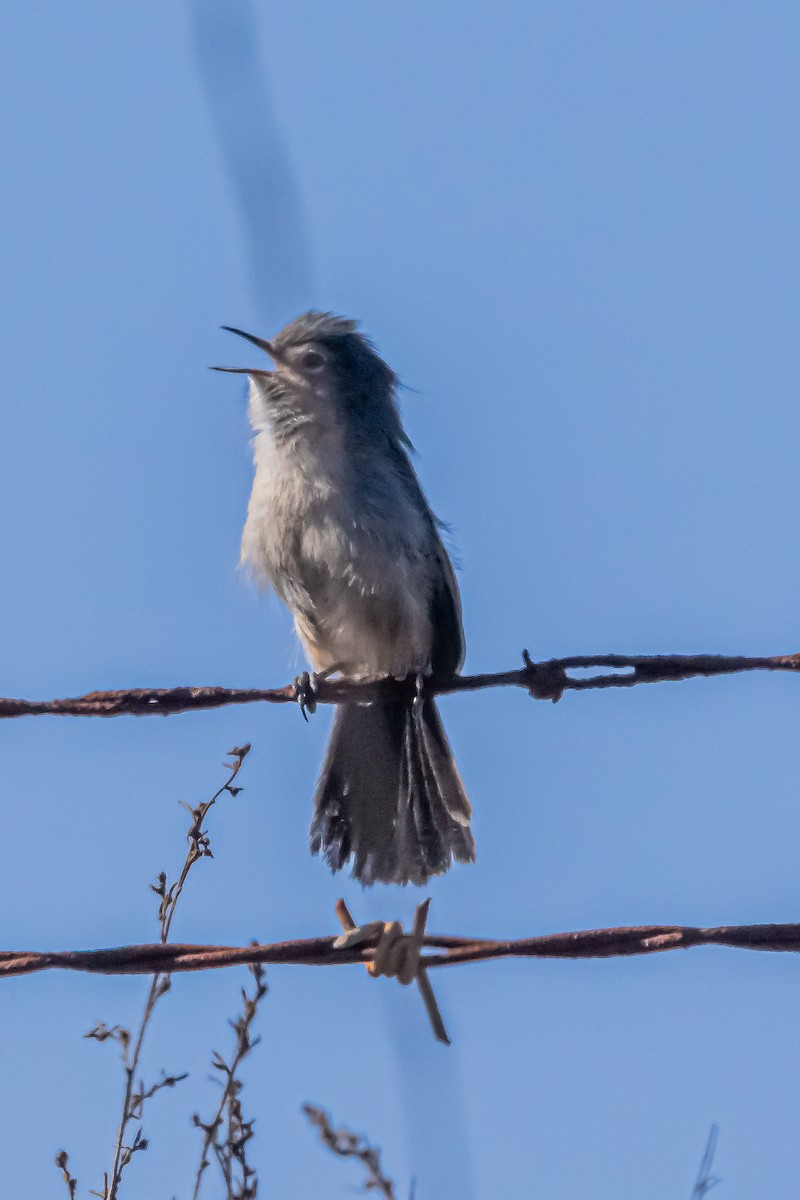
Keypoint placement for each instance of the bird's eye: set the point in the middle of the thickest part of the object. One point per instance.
(312, 361)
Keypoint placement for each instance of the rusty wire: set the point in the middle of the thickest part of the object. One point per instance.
(447, 951)
(543, 680)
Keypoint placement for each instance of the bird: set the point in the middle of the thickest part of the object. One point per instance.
(339, 526)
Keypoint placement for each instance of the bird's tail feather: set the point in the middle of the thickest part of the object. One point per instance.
(390, 795)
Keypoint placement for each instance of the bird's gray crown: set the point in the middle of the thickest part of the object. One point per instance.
(315, 326)
(353, 352)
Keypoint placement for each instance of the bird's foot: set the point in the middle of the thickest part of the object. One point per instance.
(305, 692)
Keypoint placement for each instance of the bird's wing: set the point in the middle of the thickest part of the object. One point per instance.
(447, 652)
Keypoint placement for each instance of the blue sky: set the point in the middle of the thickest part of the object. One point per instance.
(572, 230)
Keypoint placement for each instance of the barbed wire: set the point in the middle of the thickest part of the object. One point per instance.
(320, 952)
(547, 680)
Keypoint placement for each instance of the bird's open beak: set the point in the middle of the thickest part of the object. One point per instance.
(262, 344)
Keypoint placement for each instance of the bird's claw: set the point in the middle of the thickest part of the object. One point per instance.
(305, 693)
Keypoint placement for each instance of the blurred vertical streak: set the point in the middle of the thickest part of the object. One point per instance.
(438, 1136)
(228, 47)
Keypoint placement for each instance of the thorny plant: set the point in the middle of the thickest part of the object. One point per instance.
(227, 1134)
(135, 1096)
(347, 1144)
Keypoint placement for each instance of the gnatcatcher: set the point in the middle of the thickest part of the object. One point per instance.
(339, 525)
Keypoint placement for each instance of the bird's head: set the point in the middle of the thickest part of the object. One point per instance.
(326, 373)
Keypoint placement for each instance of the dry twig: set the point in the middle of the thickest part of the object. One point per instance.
(230, 1146)
(543, 680)
(346, 1144)
(62, 1162)
(134, 1098)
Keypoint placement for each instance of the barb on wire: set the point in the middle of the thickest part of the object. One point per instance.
(546, 680)
(396, 955)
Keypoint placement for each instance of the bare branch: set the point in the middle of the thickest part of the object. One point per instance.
(230, 1145)
(134, 1098)
(542, 680)
(347, 1144)
(62, 1162)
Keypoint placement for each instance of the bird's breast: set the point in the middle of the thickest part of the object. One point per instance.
(351, 556)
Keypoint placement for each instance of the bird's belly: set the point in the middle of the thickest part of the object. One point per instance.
(356, 572)
(382, 632)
